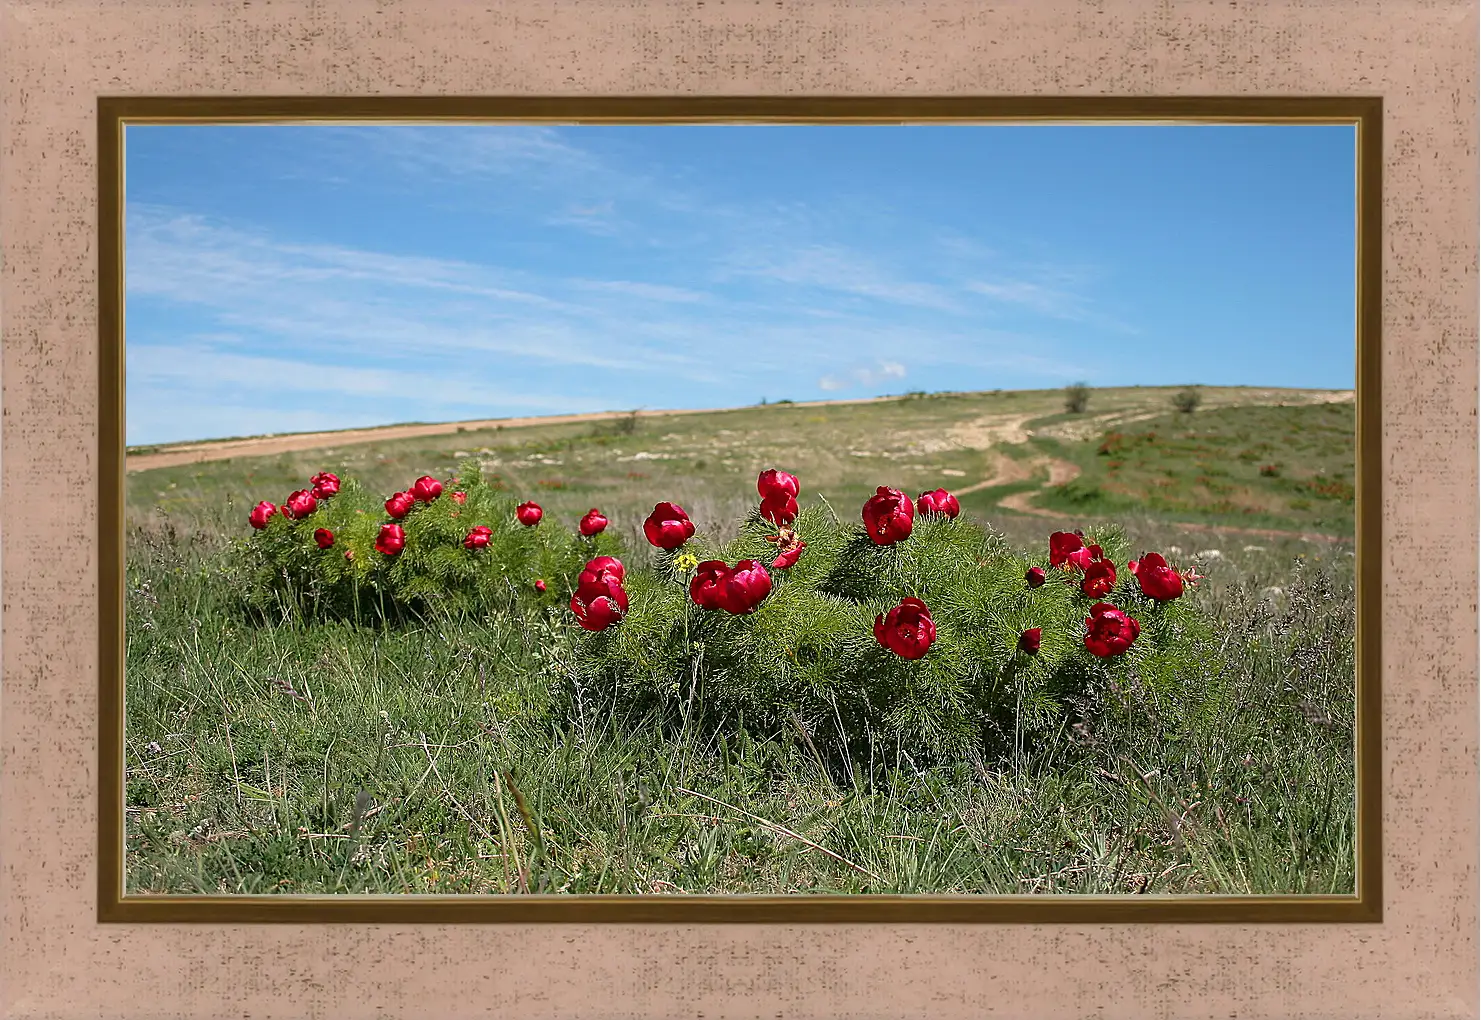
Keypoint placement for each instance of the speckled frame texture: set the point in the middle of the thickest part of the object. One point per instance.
(58, 56)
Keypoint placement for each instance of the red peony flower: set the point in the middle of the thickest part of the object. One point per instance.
(596, 614)
(888, 516)
(1029, 640)
(773, 481)
(779, 508)
(1109, 631)
(478, 538)
(907, 630)
(668, 526)
(1034, 576)
(1100, 578)
(746, 587)
(391, 540)
(300, 505)
(324, 537)
(458, 497)
(789, 556)
(1061, 544)
(260, 513)
(540, 587)
(325, 484)
(938, 502)
(707, 586)
(611, 564)
(426, 489)
(601, 581)
(529, 513)
(1156, 579)
(593, 523)
(400, 504)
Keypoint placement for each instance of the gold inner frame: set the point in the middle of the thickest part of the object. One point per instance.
(1365, 905)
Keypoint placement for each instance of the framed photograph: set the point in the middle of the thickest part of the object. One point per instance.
(636, 532)
(1006, 599)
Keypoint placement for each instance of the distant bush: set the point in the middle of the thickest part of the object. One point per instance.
(1076, 398)
(1187, 400)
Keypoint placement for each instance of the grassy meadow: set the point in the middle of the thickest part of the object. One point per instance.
(320, 755)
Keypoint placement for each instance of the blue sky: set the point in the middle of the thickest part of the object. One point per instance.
(297, 277)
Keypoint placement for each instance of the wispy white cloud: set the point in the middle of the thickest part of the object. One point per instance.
(835, 268)
(862, 376)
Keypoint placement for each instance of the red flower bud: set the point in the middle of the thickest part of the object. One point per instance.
(1100, 578)
(938, 502)
(260, 513)
(300, 505)
(324, 537)
(1109, 631)
(391, 540)
(1029, 641)
(1034, 576)
(779, 508)
(478, 538)
(325, 484)
(458, 497)
(400, 504)
(529, 514)
(773, 481)
(668, 526)
(889, 516)
(540, 587)
(907, 630)
(426, 489)
(1156, 579)
(593, 523)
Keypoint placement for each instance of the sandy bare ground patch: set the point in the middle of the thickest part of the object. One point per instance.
(266, 446)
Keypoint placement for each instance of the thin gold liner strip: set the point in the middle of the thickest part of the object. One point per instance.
(1366, 112)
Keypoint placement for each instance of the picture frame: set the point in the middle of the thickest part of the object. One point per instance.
(1412, 960)
(1365, 114)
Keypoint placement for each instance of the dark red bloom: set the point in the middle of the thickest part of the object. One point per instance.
(593, 523)
(1156, 579)
(426, 489)
(458, 497)
(889, 516)
(597, 613)
(602, 581)
(779, 508)
(907, 630)
(391, 540)
(1034, 576)
(529, 513)
(324, 537)
(1029, 640)
(611, 564)
(1066, 547)
(668, 526)
(773, 481)
(540, 587)
(746, 587)
(707, 586)
(260, 514)
(400, 504)
(938, 502)
(1109, 631)
(1100, 578)
(789, 556)
(325, 484)
(479, 537)
(300, 505)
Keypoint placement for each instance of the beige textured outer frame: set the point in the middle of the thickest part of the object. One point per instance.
(58, 57)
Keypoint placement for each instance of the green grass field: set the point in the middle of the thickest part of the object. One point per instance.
(321, 756)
